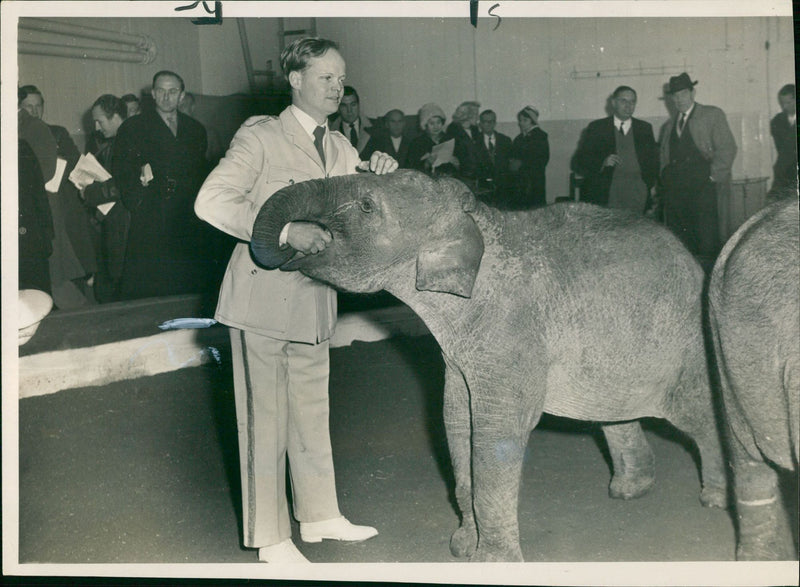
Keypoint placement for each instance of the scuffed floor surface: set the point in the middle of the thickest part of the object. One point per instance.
(146, 471)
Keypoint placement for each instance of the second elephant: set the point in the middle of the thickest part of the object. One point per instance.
(573, 310)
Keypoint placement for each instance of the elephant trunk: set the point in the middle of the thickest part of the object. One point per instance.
(298, 202)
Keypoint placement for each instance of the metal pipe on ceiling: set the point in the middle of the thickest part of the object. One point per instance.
(33, 48)
(144, 48)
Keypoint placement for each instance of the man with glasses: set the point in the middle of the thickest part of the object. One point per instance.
(159, 165)
(618, 158)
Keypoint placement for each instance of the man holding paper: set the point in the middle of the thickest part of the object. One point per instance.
(159, 164)
(101, 196)
(73, 261)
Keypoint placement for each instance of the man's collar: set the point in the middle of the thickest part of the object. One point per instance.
(689, 111)
(618, 121)
(305, 120)
(355, 123)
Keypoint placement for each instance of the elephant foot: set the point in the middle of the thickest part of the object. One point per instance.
(634, 465)
(497, 555)
(464, 541)
(764, 551)
(764, 533)
(630, 486)
(713, 496)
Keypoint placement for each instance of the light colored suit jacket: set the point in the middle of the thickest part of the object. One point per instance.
(265, 155)
(363, 135)
(712, 135)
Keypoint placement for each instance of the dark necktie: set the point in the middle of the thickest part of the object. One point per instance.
(681, 122)
(319, 134)
(353, 135)
(491, 149)
(622, 128)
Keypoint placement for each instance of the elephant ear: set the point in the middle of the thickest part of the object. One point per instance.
(450, 263)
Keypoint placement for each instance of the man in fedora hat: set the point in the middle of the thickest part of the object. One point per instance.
(697, 152)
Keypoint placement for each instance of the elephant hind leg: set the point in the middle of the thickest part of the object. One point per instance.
(763, 524)
(632, 459)
(692, 412)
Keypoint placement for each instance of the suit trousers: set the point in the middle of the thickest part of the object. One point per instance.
(281, 391)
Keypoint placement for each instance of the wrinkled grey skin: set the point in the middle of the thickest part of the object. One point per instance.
(754, 307)
(573, 310)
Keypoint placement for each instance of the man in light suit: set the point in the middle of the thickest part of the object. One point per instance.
(697, 153)
(281, 322)
(618, 158)
(349, 121)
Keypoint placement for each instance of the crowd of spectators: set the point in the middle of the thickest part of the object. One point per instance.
(135, 235)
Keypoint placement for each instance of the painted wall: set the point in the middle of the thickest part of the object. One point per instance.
(564, 66)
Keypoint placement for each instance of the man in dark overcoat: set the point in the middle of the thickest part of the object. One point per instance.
(697, 153)
(783, 128)
(159, 164)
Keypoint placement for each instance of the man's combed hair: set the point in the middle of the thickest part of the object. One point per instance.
(788, 90)
(351, 91)
(110, 104)
(621, 89)
(295, 57)
(25, 91)
(166, 72)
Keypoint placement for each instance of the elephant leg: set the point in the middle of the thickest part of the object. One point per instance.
(692, 411)
(457, 424)
(763, 525)
(497, 453)
(632, 458)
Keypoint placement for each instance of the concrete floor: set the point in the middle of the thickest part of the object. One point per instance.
(146, 471)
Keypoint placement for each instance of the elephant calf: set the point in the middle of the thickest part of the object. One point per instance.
(573, 310)
(754, 306)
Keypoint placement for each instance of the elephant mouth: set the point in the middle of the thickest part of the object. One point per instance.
(300, 260)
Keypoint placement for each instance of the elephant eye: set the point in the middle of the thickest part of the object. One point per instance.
(367, 206)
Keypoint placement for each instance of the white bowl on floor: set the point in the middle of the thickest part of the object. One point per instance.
(34, 305)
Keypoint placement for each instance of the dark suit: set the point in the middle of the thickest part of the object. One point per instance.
(336, 123)
(465, 149)
(383, 142)
(35, 223)
(695, 176)
(165, 253)
(112, 227)
(492, 170)
(533, 152)
(76, 221)
(598, 142)
(784, 133)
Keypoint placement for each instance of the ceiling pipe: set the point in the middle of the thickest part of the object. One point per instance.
(32, 48)
(144, 45)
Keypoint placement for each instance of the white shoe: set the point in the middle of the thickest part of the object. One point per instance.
(335, 529)
(283, 552)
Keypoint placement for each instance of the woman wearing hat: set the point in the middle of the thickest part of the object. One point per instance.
(431, 121)
(530, 153)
